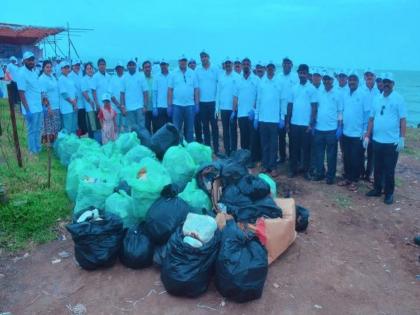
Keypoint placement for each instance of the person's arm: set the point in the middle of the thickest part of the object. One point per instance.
(88, 99)
(314, 113)
(95, 99)
(145, 99)
(170, 96)
(196, 96)
(369, 128)
(403, 127)
(289, 114)
(24, 101)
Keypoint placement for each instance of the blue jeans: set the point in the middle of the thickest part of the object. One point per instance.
(34, 132)
(69, 122)
(325, 142)
(135, 120)
(184, 115)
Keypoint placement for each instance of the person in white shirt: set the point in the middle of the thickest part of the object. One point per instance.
(147, 72)
(301, 111)
(101, 83)
(76, 76)
(192, 64)
(259, 70)
(207, 84)
(316, 78)
(244, 100)
(198, 126)
(30, 95)
(160, 96)
(51, 99)
(92, 121)
(183, 98)
(116, 88)
(237, 66)
(224, 103)
(12, 69)
(134, 95)
(269, 117)
(68, 99)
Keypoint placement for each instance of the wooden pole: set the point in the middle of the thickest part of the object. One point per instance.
(11, 93)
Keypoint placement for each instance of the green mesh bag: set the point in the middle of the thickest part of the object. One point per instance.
(76, 170)
(126, 141)
(196, 198)
(180, 165)
(66, 147)
(200, 153)
(122, 205)
(137, 153)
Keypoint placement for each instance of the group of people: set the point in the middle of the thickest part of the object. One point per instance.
(318, 111)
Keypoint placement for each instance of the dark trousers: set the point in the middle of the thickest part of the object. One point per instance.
(208, 119)
(230, 135)
(148, 117)
(198, 128)
(367, 155)
(282, 144)
(245, 130)
(255, 145)
(161, 119)
(352, 154)
(325, 142)
(386, 158)
(312, 162)
(300, 147)
(269, 144)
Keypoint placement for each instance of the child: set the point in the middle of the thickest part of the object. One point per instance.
(107, 118)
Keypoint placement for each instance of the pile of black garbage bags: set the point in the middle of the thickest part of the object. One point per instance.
(189, 248)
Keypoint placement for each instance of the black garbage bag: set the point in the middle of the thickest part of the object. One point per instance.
(170, 191)
(164, 138)
(186, 270)
(254, 187)
(206, 175)
(123, 185)
(242, 156)
(244, 209)
(137, 250)
(302, 219)
(144, 136)
(241, 266)
(160, 254)
(232, 171)
(97, 242)
(163, 218)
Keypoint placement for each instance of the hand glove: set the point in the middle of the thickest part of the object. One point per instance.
(251, 114)
(232, 117)
(197, 109)
(281, 124)
(155, 112)
(365, 142)
(169, 111)
(255, 124)
(400, 144)
(339, 133)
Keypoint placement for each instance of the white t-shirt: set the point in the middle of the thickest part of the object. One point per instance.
(14, 71)
(67, 89)
(270, 96)
(87, 86)
(207, 83)
(28, 82)
(116, 88)
(101, 84)
(246, 92)
(302, 96)
(225, 90)
(160, 90)
(77, 80)
(134, 85)
(49, 87)
(183, 85)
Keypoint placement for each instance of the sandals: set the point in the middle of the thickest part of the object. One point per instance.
(352, 187)
(343, 183)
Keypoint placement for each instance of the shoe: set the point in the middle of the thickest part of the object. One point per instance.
(291, 174)
(343, 183)
(329, 181)
(318, 178)
(389, 199)
(373, 193)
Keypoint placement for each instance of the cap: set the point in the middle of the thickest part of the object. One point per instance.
(106, 97)
(388, 76)
(327, 74)
(182, 57)
(369, 70)
(64, 64)
(380, 76)
(132, 60)
(192, 60)
(27, 55)
(119, 64)
(287, 59)
(342, 72)
(303, 67)
(163, 61)
(204, 53)
(353, 73)
(316, 71)
(271, 64)
(75, 62)
(227, 59)
(13, 58)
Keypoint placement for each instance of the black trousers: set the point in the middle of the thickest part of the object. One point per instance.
(148, 117)
(256, 150)
(325, 142)
(282, 144)
(300, 148)
(198, 128)
(230, 135)
(352, 154)
(367, 156)
(245, 130)
(208, 119)
(161, 119)
(386, 158)
(269, 144)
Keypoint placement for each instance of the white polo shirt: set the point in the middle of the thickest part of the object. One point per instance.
(302, 96)
(183, 85)
(116, 88)
(160, 90)
(330, 107)
(28, 82)
(66, 88)
(134, 85)
(102, 85)
(207, 83)
(77, 80)
(225, 90)
(49, 87)
(356, 111)
(289, 80)
(270, 95)
(87, 86)
(246, 92)
(14, 71)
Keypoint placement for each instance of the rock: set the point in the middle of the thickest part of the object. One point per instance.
(319, 307)
(55, 261)
(276, 285)
(64, 254)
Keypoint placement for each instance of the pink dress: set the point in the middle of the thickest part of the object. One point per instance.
(107, 116)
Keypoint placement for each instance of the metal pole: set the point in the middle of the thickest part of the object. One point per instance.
(68, 38)
(11, 92)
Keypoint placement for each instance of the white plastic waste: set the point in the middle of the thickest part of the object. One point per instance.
(198, 229)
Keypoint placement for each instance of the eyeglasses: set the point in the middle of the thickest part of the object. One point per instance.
(382, 109)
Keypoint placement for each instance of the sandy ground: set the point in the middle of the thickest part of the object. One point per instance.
(355, 258)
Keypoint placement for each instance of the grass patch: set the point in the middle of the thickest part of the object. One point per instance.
(33, 210)
(412, 143)
(343, 201)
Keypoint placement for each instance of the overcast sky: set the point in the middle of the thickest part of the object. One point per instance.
(382, 34)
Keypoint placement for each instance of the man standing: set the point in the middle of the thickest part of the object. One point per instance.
(355, 118)
(387, 124)
(301, 113)
(237, 66)
(134, 95)
(245, 96)
(101, 83)
(12, 69)
(30, 95)
(183, 98)
(207, 83)
(160, 97)
(76, 77)
(269, 118)
(198, 127)
(116, 88)
(316, 78)
(192, 64)
(147, 71)
(259, 70)
(224, 102)
(68, 99)
(328, 129)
